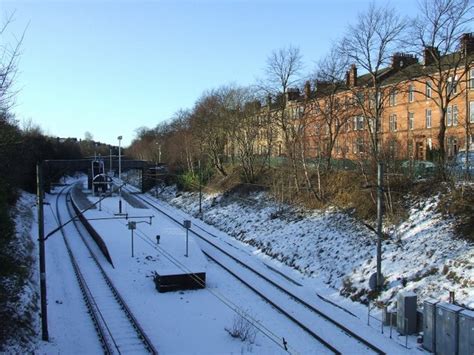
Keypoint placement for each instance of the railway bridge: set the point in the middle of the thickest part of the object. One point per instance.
(53, 170)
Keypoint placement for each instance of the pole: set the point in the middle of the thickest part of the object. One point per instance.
(379, 224)
(186, 242)
(110, 167)
(200, 188)
(120, 175)
(132, 243)
(42, 256)
(159, 153)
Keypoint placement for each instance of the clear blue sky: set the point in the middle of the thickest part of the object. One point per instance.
(109, 67)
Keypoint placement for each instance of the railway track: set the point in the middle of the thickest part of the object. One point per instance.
(318, 323)
(118, 330)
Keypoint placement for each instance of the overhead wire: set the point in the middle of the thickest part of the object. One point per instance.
(230, 304)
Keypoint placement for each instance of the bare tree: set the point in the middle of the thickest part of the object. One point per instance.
(181, 146)
(437, 32)
(212, 125)
(9, 57)
(246, 129)
(331, 108)
(369, 44)
(283, 69)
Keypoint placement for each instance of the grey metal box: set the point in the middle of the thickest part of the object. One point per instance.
(429, 325)
(466, 332)
(447, 328)
(406, 313)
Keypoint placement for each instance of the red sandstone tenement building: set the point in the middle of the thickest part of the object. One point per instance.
(409, 109)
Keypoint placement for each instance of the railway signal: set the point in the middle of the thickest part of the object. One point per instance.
(132, 226)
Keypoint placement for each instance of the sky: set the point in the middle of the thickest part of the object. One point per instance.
(110, 67)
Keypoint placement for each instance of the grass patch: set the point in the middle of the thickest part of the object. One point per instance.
(458, 203)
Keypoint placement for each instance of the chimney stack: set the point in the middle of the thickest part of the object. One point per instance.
(467, 43)
(292, 94)
(307, 90)
(269, 100)
(351, 76)
(402, 60)
(430, 54)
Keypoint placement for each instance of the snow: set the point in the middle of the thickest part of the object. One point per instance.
(184, 322)
(448, 307)
(314, 253)
(331, 246)
(117, 236)
(26, 303)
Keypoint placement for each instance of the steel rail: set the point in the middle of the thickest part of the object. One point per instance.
(134, 322)
(86, 294)
(281, 288)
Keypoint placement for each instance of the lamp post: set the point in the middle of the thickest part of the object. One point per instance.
(42, 254)
(200, 188)
(159, 152)
(120, 174)
(110, 167)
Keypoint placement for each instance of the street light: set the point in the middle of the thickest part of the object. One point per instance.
(159, 152)
(120, 174)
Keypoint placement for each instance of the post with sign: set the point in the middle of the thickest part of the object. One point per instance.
(132, 226)
(187, 225)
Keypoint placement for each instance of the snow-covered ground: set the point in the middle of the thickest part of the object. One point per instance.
(422, 252)
(186, 322)
(27, 302)
(318, 250)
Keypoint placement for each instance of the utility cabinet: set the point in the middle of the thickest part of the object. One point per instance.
(466, 332)
(447, 336)
(429, 325)
(406, 313)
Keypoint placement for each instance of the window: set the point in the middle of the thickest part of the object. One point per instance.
(471, 112)
(455, 115)
(372, 101)
(449, 116)
(393, 122)
(428, 118)
(472, 79)
(359, 98)
(411, 93)
(393, 98)
(452, 87)
(358, 123)
(411, 119)
(428, 92)
(359, 146)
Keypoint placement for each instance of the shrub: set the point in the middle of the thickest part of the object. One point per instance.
(242, 329)
(188, 181)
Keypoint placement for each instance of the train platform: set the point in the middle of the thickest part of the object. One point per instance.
(139, 235)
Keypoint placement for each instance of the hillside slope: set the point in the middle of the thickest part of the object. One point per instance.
(422, 254)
